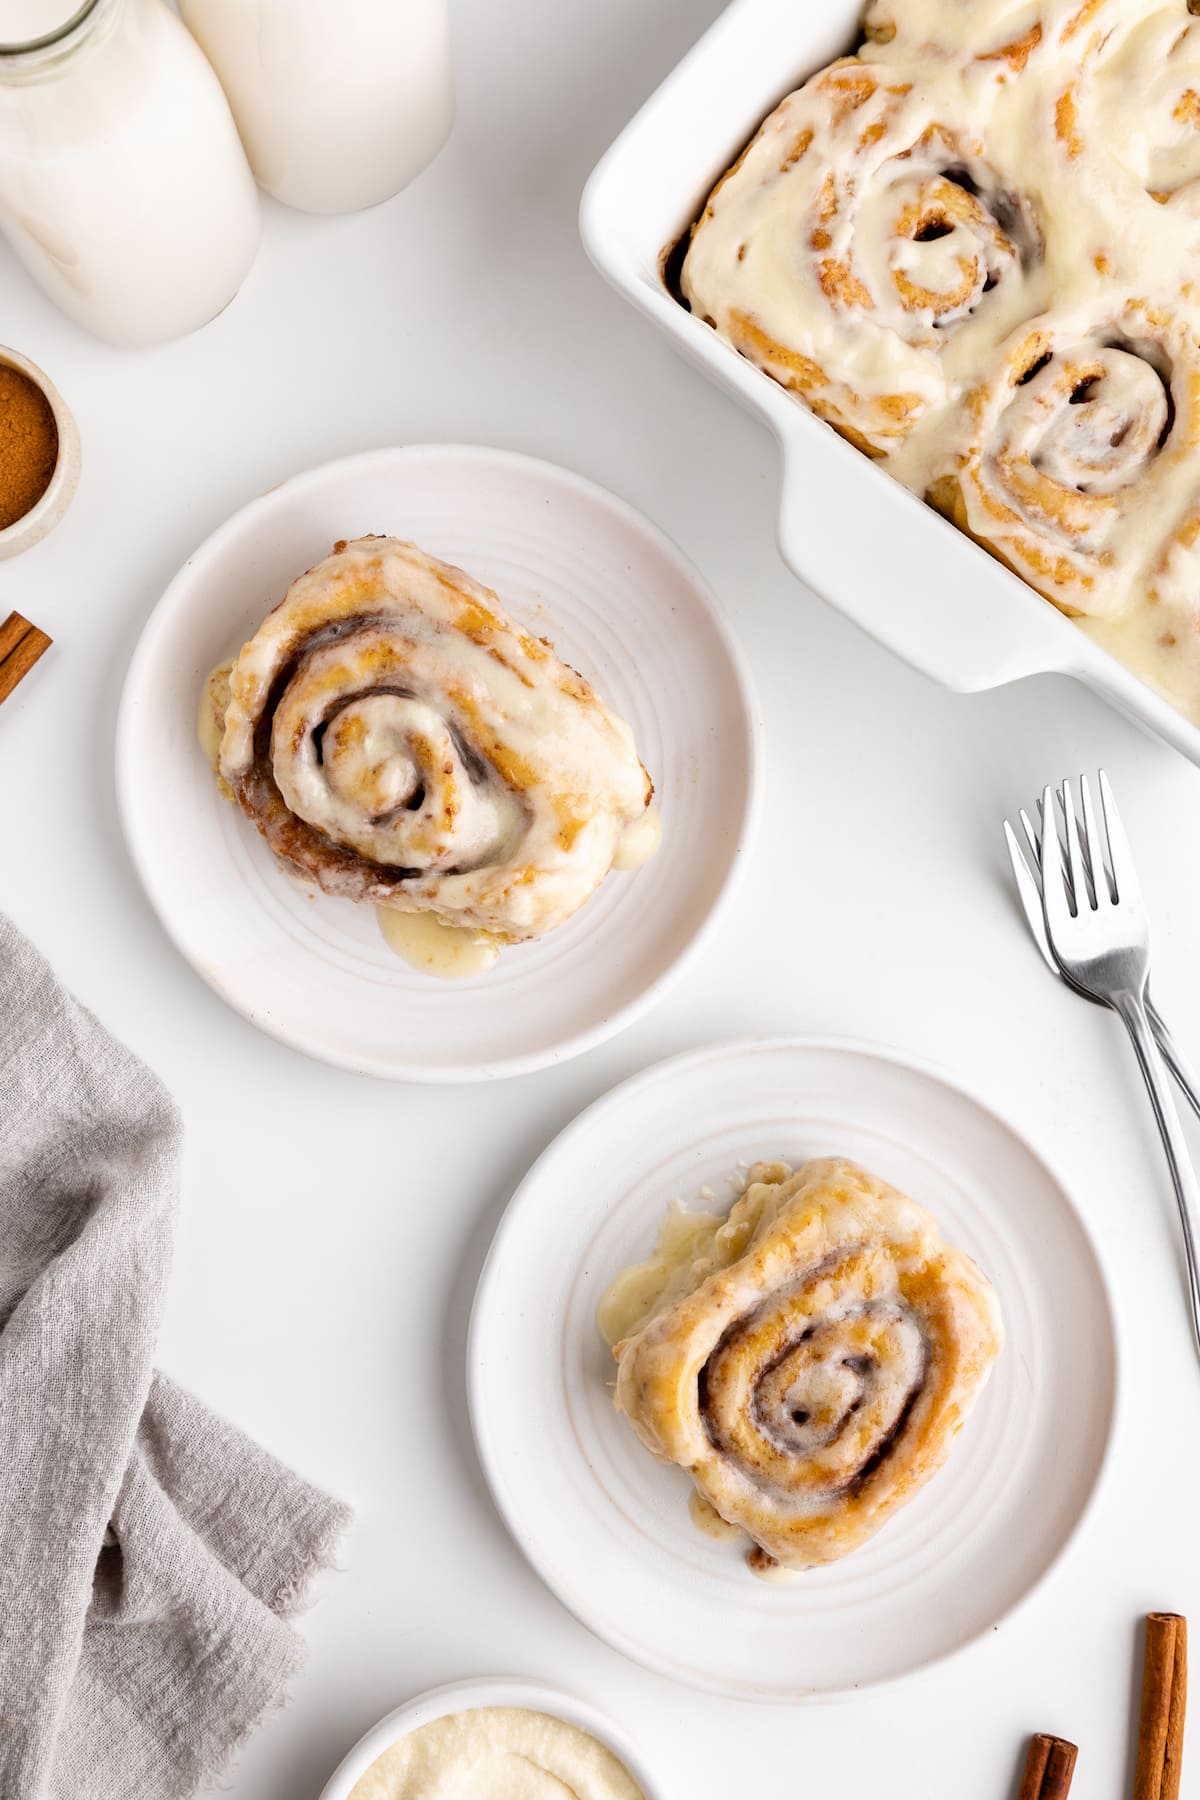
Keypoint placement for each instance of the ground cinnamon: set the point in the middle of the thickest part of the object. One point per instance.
(28, 444)
(1164, 1704)
(1049, 1768)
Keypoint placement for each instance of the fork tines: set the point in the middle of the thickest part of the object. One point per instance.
(1093, 852)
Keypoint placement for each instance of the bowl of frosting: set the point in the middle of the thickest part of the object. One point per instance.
(495, 1735)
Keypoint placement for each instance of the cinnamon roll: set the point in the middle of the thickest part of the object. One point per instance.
(1005, 37)
(1159, 639)
(859, 233)
(1077, 440)
(1140, 100)
(398, 740)
(808, 1361)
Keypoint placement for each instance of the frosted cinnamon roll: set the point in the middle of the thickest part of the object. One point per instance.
(1159, 638)
(1140, 100)
(856, 237)
(809, 1360)
(1004, 37)
(398, 740)
(1077, 439)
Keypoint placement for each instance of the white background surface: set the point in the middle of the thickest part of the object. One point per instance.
(334, 1225)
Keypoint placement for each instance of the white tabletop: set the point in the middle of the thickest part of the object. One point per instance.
(334, 1225)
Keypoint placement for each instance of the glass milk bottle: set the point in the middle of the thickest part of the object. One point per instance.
(123, 185)
(339, 102)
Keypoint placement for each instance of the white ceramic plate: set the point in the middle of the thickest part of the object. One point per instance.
(607, 1526)
(492, 1690)
(619, 602)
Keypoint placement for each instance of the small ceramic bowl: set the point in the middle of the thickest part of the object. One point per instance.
(487, 1690)
(44, 515)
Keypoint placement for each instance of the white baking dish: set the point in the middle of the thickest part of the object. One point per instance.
(849, 530)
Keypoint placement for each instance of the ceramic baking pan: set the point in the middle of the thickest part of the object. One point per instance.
(911, 580)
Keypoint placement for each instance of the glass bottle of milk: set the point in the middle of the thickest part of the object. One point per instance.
(123, 184)
(339, 102)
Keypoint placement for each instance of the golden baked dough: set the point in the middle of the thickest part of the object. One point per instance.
(810, 1363)
(397, 739)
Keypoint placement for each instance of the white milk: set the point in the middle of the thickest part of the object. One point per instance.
(339, 102)
(123, 185)
(23, 21)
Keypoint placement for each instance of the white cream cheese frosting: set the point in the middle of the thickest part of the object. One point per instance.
(497, 1753)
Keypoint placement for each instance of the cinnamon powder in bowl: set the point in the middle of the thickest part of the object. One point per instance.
(39, 454)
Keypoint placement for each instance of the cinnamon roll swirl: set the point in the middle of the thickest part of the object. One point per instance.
(1077, 440)
(857, 235)
(808, 1361)
(397, 739)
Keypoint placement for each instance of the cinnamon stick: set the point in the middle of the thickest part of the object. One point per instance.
(21, 644)
(11, 633)
(1164, 1705)
(1049, 1768)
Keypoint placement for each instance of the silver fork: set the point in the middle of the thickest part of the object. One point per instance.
(1027, 872)
(1100, 940)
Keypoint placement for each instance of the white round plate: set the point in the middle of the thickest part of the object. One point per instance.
(491, 1690)
(607, 1526)
(619, 602)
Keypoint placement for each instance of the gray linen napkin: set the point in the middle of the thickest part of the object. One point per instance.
(149, 1553)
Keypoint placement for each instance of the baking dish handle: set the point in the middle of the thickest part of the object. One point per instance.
(908, 577)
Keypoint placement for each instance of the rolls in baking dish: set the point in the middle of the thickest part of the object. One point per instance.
(972, 248)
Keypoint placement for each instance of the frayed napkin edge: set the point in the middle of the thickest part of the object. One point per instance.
(293, 1598)
(294, 1594)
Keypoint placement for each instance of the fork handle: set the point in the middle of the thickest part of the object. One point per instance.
(1174, 1058)
(1187, 1190)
